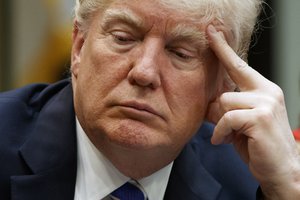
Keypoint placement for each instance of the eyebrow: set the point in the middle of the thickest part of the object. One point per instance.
(112, 16)
(185, 32)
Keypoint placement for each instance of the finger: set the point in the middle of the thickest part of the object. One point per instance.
(241, 100)
(232, 101)
(239, 71)
(232, 122)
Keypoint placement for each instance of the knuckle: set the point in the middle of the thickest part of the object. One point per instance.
(275, 97)
(265, 115)
(278, 93)
(241, 64)
(239, 67)
(228, 117)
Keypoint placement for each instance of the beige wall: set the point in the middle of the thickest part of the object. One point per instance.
(287, 55)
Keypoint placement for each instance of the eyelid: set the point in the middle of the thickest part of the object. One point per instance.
(121, 27)
(121, 33)
(123, 38)
(189, 63)
(188, 53)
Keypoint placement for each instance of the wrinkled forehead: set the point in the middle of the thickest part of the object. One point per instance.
(165, 19)
(194, 11)
(188, 18)
(202, 10)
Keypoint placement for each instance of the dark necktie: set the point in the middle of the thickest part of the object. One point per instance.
(129, 191)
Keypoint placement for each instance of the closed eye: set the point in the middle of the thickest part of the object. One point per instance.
(182, 54)
(122, 38)
(184, 58)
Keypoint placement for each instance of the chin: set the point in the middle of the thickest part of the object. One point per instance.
(136, 136)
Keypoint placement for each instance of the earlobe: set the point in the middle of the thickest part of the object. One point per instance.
(78, 41)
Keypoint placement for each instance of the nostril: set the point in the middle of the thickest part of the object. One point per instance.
(144, 76)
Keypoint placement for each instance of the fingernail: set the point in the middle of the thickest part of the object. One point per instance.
(211, 29)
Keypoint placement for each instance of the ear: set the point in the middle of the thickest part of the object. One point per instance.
(78, 41)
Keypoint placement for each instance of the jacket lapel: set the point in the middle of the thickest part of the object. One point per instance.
(190, 180)
(50, 152)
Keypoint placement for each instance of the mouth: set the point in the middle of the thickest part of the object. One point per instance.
(140, 108)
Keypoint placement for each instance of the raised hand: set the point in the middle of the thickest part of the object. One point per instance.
(255, 121)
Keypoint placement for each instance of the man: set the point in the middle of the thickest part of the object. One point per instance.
(145, 76)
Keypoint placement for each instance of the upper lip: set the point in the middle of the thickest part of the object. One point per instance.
(141, 106)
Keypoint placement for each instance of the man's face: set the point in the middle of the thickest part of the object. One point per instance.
(143, 76)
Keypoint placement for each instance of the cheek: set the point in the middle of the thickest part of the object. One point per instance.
(100, 71)
(196, 96)
(187, 100)
(190, 94)
(187, 97)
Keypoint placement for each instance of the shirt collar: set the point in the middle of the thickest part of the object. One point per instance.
(97, 177)
(155, 185)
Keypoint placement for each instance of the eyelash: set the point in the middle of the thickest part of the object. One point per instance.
(122, 38)
(180, 55)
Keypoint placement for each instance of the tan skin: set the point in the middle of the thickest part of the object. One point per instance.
(140, 95)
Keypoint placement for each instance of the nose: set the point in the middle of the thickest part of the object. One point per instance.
(146, 68)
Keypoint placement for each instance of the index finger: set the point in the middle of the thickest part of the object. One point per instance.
(239, 71)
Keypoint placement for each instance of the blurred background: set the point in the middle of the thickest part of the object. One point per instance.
(35, 43)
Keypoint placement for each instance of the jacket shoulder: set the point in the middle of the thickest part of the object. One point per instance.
(31, 95)
(20, 106)
(224, 164)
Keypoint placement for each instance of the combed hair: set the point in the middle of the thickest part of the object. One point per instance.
(84, 9)
(239, 16)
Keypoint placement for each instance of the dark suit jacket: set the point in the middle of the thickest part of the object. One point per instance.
(38, 153)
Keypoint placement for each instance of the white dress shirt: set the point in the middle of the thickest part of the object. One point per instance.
(97, 177)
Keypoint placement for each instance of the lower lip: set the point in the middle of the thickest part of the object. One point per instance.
(136, 113)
